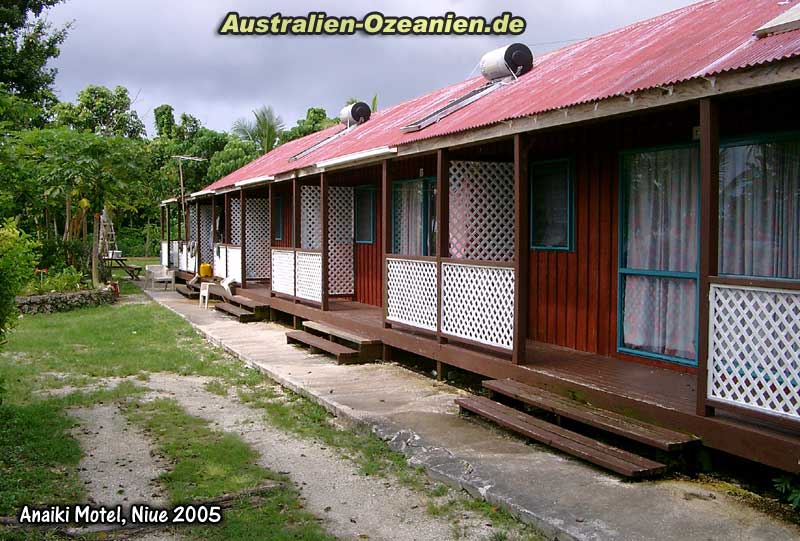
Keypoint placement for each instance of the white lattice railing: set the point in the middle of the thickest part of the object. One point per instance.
(411, 292)
(165, 253)
(478, 303)
(283, 271)
(754, 349)
(309, 275)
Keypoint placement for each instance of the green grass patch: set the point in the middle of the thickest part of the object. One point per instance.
(208, 463)
(216, 387)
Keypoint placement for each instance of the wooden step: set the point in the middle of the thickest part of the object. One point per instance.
(609, 421)
(241, 314)
(606, 456)
(246, 302)
(187, 292)
(342, 334)
(342, 353)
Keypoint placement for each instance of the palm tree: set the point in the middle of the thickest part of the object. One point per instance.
(263, 130)
(373, 105)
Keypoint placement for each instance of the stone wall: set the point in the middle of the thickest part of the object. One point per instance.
(64, 302)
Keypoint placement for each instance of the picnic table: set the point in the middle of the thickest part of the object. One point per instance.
(122, 263)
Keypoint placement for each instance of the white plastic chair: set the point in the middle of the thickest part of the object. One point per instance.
(202, 301)
(158, 274)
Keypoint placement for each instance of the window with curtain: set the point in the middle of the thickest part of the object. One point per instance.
(413, 217)
(278, 220)
(658, 258)
(551, 205)
(759, 209)
(365, 214)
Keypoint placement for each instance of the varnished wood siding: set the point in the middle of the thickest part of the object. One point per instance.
(573, 295)
(369, 259)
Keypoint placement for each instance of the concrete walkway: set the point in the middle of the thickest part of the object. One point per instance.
(565, 498)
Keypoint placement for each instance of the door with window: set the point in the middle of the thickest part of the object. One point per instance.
(658, 254)
(414, 217)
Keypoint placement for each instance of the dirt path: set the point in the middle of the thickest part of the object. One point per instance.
(352, 506)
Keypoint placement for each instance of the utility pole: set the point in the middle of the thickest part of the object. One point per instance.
(181, 159)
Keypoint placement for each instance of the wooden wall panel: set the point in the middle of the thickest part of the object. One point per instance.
(284, 190)
(369, 273)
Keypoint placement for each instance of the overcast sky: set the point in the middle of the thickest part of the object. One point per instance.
(168, 51)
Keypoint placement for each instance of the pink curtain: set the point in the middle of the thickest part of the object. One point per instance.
(760, 210)
(659, 312)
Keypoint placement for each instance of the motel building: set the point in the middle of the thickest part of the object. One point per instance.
(609, 232)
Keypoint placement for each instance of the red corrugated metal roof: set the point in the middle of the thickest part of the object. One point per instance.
(700, 40)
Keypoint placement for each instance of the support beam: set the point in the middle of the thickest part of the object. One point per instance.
(271, 208)
(442, 229)
(521, 247)
(197, 237)
(242, 234)
(169, 238)
(296, 240)
(213, 221)
(709, 236)
(386, 241)
(324, 212)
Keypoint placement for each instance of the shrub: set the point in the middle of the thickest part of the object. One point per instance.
(18, 255)
(66, 280)
(139, 241)
(58, 254)
(788, 486)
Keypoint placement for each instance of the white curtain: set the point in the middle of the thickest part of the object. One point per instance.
(759, 215)
(661, 236)
(409, 204)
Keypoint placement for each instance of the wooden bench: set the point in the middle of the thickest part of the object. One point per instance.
(608, 421)
(342, 353)
(601, 454)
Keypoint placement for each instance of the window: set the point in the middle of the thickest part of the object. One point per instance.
(759, 209)
(551, 205)
(414, 216)
(278, 219)
(365, 214)
(658, 254)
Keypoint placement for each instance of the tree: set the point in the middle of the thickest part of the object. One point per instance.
(17, 262)
(316, 119)
(373, 104)
(236, 154)
(264, 130)
(101, 111)
(165, 121)
(26, 47)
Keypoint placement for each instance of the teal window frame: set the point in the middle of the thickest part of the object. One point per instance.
(570, 170)
(370, 191)
(623, 272)
(428, 183)
(278, 223)
(758, 139)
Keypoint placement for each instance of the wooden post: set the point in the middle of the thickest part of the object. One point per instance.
(180, 219)
(271, 236)
(296, 240)
(323, 193)
(386, 241)
(197, 250)
(243, 235)
(709, 237)
(521, 248)
(213, 224)
(442, 231)
(161, 222)
(169, 238)
(227, 235)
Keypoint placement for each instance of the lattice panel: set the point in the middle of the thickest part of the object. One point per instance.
(754, 349)
(206, 235)
(283, 271)
(411, 286)
(482, 210)
(310, 218)
(257, 241)
(234, 264)
(236, 221)
(309, 276)
(191, 227)
(165, 253)
(341, 223)
(478, 303)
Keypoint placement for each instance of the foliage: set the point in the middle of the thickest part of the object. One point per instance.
(788, 486)
(17, 262)
(316, 119)
(139, 241)
(263, 130)
(102, 111)
(58, 254)
(66, 280)
(236, 154)
(26, 47)
(17, 113)
(165, 121)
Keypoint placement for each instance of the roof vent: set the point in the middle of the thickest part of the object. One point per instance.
(785, 22)
(515, 59)
(355, 113)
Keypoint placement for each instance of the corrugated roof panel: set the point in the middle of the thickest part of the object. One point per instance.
(700, 40)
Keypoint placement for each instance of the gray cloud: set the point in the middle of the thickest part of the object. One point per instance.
(169, 52)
